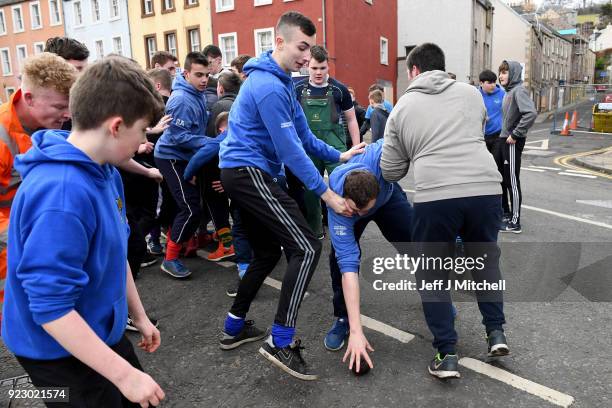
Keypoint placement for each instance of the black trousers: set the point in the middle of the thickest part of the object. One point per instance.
(87, 388)
(272, 219)
(216, 203)
(508, 159)
(187, 199)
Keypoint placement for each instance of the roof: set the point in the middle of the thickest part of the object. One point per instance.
(569, 31)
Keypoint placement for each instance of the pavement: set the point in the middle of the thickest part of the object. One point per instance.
(600, 161)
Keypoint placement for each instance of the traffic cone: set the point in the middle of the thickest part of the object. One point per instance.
(565, 131)
(574, 123)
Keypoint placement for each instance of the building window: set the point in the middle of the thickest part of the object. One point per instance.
(117, 46)
(35, 15)
(167, 6)
(384, 51)
(99, 49)
(150, 47)
(264, 40)
(224, 5)
(193, 36)
(78, 13)
(9, 91)
(5, 56)
(54, 10)
(95, 10)
(229, 47)
(147, 8)
(22, 54)
(191, 3)
(114, 9)
(170, 40)
(17, 19)
(262, 2)
(39, 47)
(2, 23)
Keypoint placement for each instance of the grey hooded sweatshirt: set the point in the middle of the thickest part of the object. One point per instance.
(438, 125)
(519, 112)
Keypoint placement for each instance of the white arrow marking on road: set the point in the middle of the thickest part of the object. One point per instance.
(577, 175)
(543, 145)
(536, 170)
(548, 394)
(597, 203)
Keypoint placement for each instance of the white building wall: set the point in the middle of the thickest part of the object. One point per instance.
(511, 36)
(447, 23)
(89, 32)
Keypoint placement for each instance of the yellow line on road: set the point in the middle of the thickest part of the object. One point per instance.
(565, 162)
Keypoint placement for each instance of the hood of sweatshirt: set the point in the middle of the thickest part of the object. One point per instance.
(49, 146)
(514, 75)
(430, 82)
(265, 62)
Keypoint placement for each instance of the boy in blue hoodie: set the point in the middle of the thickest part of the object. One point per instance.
(184, 137)
(370, 198)
(493, 96)
(68, 299)
(268, 129)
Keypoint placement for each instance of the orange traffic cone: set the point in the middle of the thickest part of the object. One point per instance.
(574, 123)
(566, 128)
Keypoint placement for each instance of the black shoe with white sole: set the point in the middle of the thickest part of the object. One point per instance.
(248, 334)
(446, 367)
(514, 227)
(498, 346)
(288, 359)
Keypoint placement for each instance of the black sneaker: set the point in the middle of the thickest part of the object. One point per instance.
(248, 334)
(148, 260)
(232, 291)
(288, 359)
(514, 227)
(498, 346)
(130, 324)
(446, 367)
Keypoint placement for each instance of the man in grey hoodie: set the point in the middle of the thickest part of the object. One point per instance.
(519, 114)
(438, 125)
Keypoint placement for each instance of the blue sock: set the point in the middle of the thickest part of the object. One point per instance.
(282, 336)
(233, 324)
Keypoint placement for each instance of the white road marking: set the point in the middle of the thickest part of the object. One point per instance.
(568, 217)
(577, 171)
(597, 203)
(373, 324)
(409, 191)
(535, 170)
(547, 394)
(543, 145)
(545, 168)
(538, 131)
(577, 175)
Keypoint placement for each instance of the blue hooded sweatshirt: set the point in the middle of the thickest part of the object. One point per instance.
(267, 127)
(341, 228)
(204, 155)
(185, 136)
(493, 102)
(68, 247)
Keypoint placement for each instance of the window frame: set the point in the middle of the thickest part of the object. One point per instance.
(385, 41)
(59, 13)
(258, 3)
(143, 13)
(165, 10)
(6, 92)
(167, 48)
(13, 9)
(42, 47)
(110, 10)
(40, 24)
(188, 31)
(93, 20)
(3, 18)
(187, 5)
(23, 47)
(220, 38)
(10, 63)
(95, 47)
(148, 52)
(119, 52)
(74, 13)
(256, 33)
(220, 9)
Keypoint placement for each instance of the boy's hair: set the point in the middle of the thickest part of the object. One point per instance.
(375, 87)
(114, 86)
(48, 71)
(426, 57)
(239, 62)
(211, 51)
(361, 186)
(230, 82)
(67, 48)
(319, 53)
(161, 58)
(504, 67)
(295, 19)
(195, 58)
(376, 96)
(222, 118)
(162, 76)
(487, 76)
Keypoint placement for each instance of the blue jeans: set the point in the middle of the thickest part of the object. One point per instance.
(476, 220)
(393, 220)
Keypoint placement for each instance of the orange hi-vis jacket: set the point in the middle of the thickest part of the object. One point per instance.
(14, 140)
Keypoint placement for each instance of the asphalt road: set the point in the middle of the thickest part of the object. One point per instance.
(558, 317)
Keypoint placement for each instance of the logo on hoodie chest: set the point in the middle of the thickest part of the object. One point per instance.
(119, 202)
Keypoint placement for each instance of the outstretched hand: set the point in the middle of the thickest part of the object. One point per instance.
(355, 150)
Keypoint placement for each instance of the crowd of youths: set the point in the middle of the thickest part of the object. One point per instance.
(245, 149)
